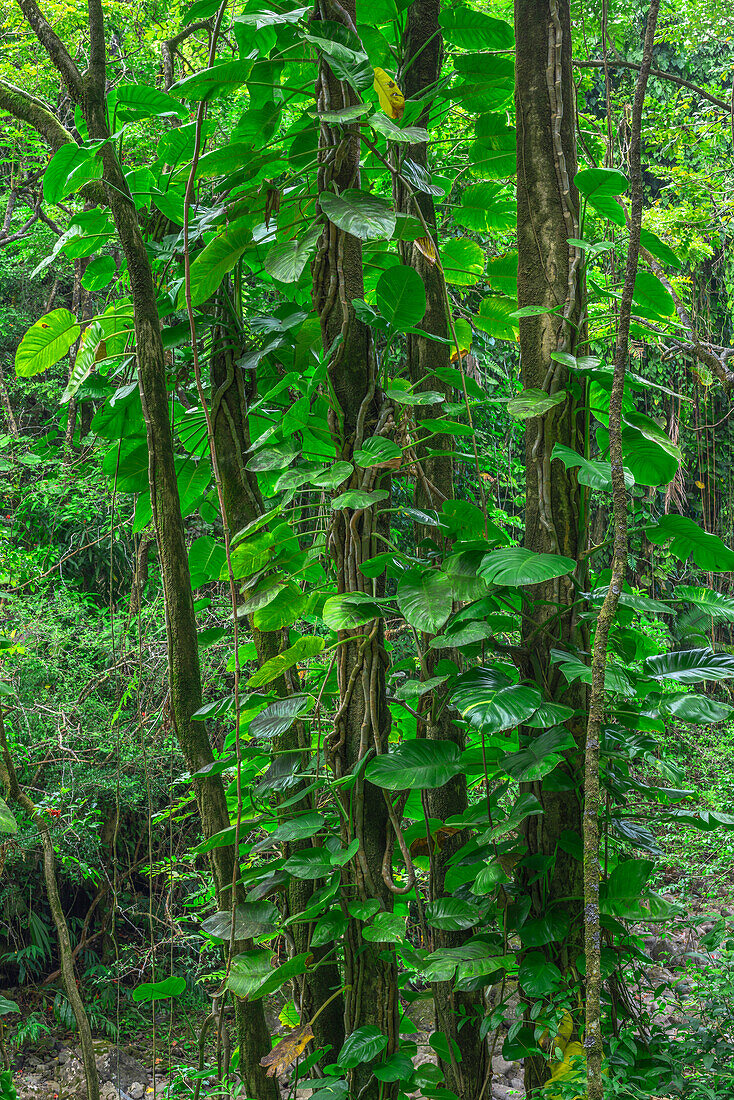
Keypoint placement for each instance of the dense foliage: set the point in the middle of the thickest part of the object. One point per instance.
(364, 556)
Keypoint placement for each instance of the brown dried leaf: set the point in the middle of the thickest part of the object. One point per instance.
(287, 1050)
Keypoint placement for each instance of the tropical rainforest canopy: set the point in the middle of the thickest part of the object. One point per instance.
(366, 652)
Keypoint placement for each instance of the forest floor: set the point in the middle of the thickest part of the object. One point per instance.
(685, 988)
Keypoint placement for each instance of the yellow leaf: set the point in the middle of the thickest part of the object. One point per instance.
(700, 485)
(425, 245)
(391, 98)
(287, 1050)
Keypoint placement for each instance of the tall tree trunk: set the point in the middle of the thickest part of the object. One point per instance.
(549, 274)
(423, 51)
(243, 503)
(363, 720)
(88, 92)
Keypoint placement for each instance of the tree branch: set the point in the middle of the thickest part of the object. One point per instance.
(619, 64)
(26, 108)
(169, 47)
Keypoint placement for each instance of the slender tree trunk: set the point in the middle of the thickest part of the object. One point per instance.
(243, 503)
(549, 274)
(88, 92)
(13, 789)
(423, 51)
(362, 722)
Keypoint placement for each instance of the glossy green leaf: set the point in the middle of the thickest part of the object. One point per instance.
(517, 566)
(252, 918)
(158, 991)
(286, 262)
(415, 765)
(488, 698)
(483, 208)
(99, 273)
(531, 403)
(690, 666)
(425, 598)
(497, 318)
(45, 342)
(280, 715)
(385, 928)
(651, 296)
(362, 1045)
(217, 259)
(463, 261)
(366, 216)
(452, 915)
(301, 650)
(133, 102)
(718, 607)
(697, 709)
(350, 610)
(401, 297)
(688, 540)
(470, 29)
(69, 169)
(221, 78)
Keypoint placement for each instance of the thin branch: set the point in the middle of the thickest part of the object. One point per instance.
(170, 46)
(614, 63)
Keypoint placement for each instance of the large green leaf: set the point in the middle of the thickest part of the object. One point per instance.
(92, 349)
(488, 698)
(470, 29)
(280, 715)
(600, 187)
(484, 207)
(46, 342)
(252, 918)
(425, 598)
(531, 403)
(719, 607)
(343, 51)
(350, 610)
(362, 1045)
(69, 169)
(286, 261)
(496, 317)
(409, 135)
(366, 216)
(276, 666)
(698, 709)
(689, 541)
(591, 471)
(159, 991)
(452, 915)
(221, 78)
(648, 452)
(690, 666)
(493, 154)
(401, 296)
(659, 249)
(540, 756)
(650, 296)
(248, 972)
(517, 566)
(99, 273)
(133, 102)
(415, 765)
(463, 261)
(218, 258)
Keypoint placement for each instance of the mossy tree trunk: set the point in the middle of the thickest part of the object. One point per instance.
(549, 273)
(363, 718)
(458, 1013)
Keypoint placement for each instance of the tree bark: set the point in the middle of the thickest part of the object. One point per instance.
(88, 92)
(423, 52)
(243, 503)
(363, 719)
(549, 275)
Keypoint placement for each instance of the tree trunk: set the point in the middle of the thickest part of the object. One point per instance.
(363, 719)
(423, 51)
(549, 274)
(243, 503)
